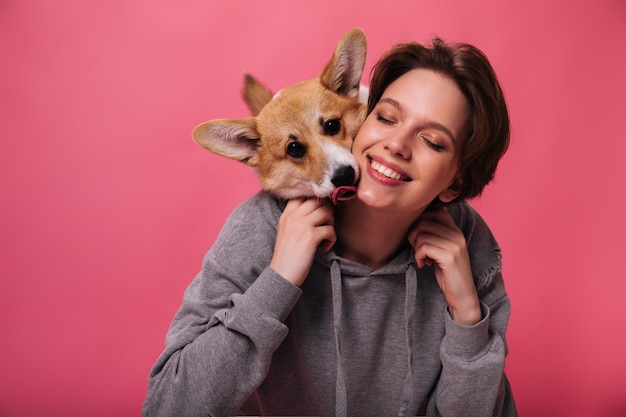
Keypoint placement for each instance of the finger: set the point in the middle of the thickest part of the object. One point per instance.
(428, 228)
(307, 212)
(330, 238)
(431, 249)
(320, 216)
(318, 206)
(441, 224)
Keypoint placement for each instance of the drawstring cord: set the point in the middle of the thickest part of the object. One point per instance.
(340, 387)
(409, 315)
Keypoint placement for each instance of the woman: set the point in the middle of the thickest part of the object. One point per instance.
(388, 304)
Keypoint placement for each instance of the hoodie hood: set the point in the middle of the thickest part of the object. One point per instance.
(350, 268)
(484, 251)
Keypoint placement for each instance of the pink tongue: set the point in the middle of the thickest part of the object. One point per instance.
(343, 193)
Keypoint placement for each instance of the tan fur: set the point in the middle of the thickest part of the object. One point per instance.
(297, 114)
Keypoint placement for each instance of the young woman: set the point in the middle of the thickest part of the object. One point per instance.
(392, 303)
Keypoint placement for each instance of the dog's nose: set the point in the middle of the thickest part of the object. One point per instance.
(344, 176)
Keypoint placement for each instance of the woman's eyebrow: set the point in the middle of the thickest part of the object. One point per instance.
(429, 123)
(391, 101)
(442, 128)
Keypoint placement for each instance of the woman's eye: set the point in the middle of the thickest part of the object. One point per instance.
(383, 119)
(433, 145)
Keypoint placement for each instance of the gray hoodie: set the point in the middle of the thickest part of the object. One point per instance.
(351, 341)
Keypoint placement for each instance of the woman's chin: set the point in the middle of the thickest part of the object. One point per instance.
(372, 198)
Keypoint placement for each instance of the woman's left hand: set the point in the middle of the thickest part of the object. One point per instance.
(438, 242)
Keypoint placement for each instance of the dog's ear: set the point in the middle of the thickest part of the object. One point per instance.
(255, 94)
(233, 138)
(343, 73)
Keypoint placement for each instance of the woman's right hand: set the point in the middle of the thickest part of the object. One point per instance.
(303, 226)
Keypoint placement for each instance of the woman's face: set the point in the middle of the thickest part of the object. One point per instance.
(408, 147)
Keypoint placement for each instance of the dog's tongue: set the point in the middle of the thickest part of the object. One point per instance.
(343, 193)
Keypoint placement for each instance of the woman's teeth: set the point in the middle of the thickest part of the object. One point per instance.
(386, 171)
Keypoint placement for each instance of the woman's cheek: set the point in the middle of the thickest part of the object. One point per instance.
(365, 138)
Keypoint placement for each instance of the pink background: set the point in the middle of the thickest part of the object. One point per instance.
(108, 205)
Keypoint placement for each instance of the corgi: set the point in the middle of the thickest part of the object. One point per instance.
(300, 139)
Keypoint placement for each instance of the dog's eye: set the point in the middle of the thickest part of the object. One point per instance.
(296, 149)
(331, 126)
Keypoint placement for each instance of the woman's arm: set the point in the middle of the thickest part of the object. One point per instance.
(216, 357)
(472, 381)
(466, 258)
(220, 344)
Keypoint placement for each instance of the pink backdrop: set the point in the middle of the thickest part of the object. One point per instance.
(108, 206)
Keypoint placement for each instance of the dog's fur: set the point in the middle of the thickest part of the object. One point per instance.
(299, 139)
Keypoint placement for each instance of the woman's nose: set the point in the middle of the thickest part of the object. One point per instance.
(398, 145)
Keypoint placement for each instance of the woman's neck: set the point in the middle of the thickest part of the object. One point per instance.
(369, 236)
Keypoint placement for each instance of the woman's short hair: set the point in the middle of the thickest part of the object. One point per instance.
(488, 130)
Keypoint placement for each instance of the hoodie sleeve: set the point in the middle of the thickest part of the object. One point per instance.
(220, 343)
(473, 382)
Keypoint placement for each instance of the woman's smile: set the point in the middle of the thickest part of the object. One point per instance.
(386, 172)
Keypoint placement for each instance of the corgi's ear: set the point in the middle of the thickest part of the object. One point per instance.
(233, 138)
(343, 73)
(255, 94)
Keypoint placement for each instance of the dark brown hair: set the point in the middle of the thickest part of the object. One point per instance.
(488, 130)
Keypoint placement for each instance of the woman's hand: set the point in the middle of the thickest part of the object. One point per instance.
(303, 226)
(438, 242)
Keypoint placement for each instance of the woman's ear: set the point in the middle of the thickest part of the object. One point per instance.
(452, 191)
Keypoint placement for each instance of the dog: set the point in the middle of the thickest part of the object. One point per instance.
(300, 139)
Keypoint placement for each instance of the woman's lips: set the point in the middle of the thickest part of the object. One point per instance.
(385, 171)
